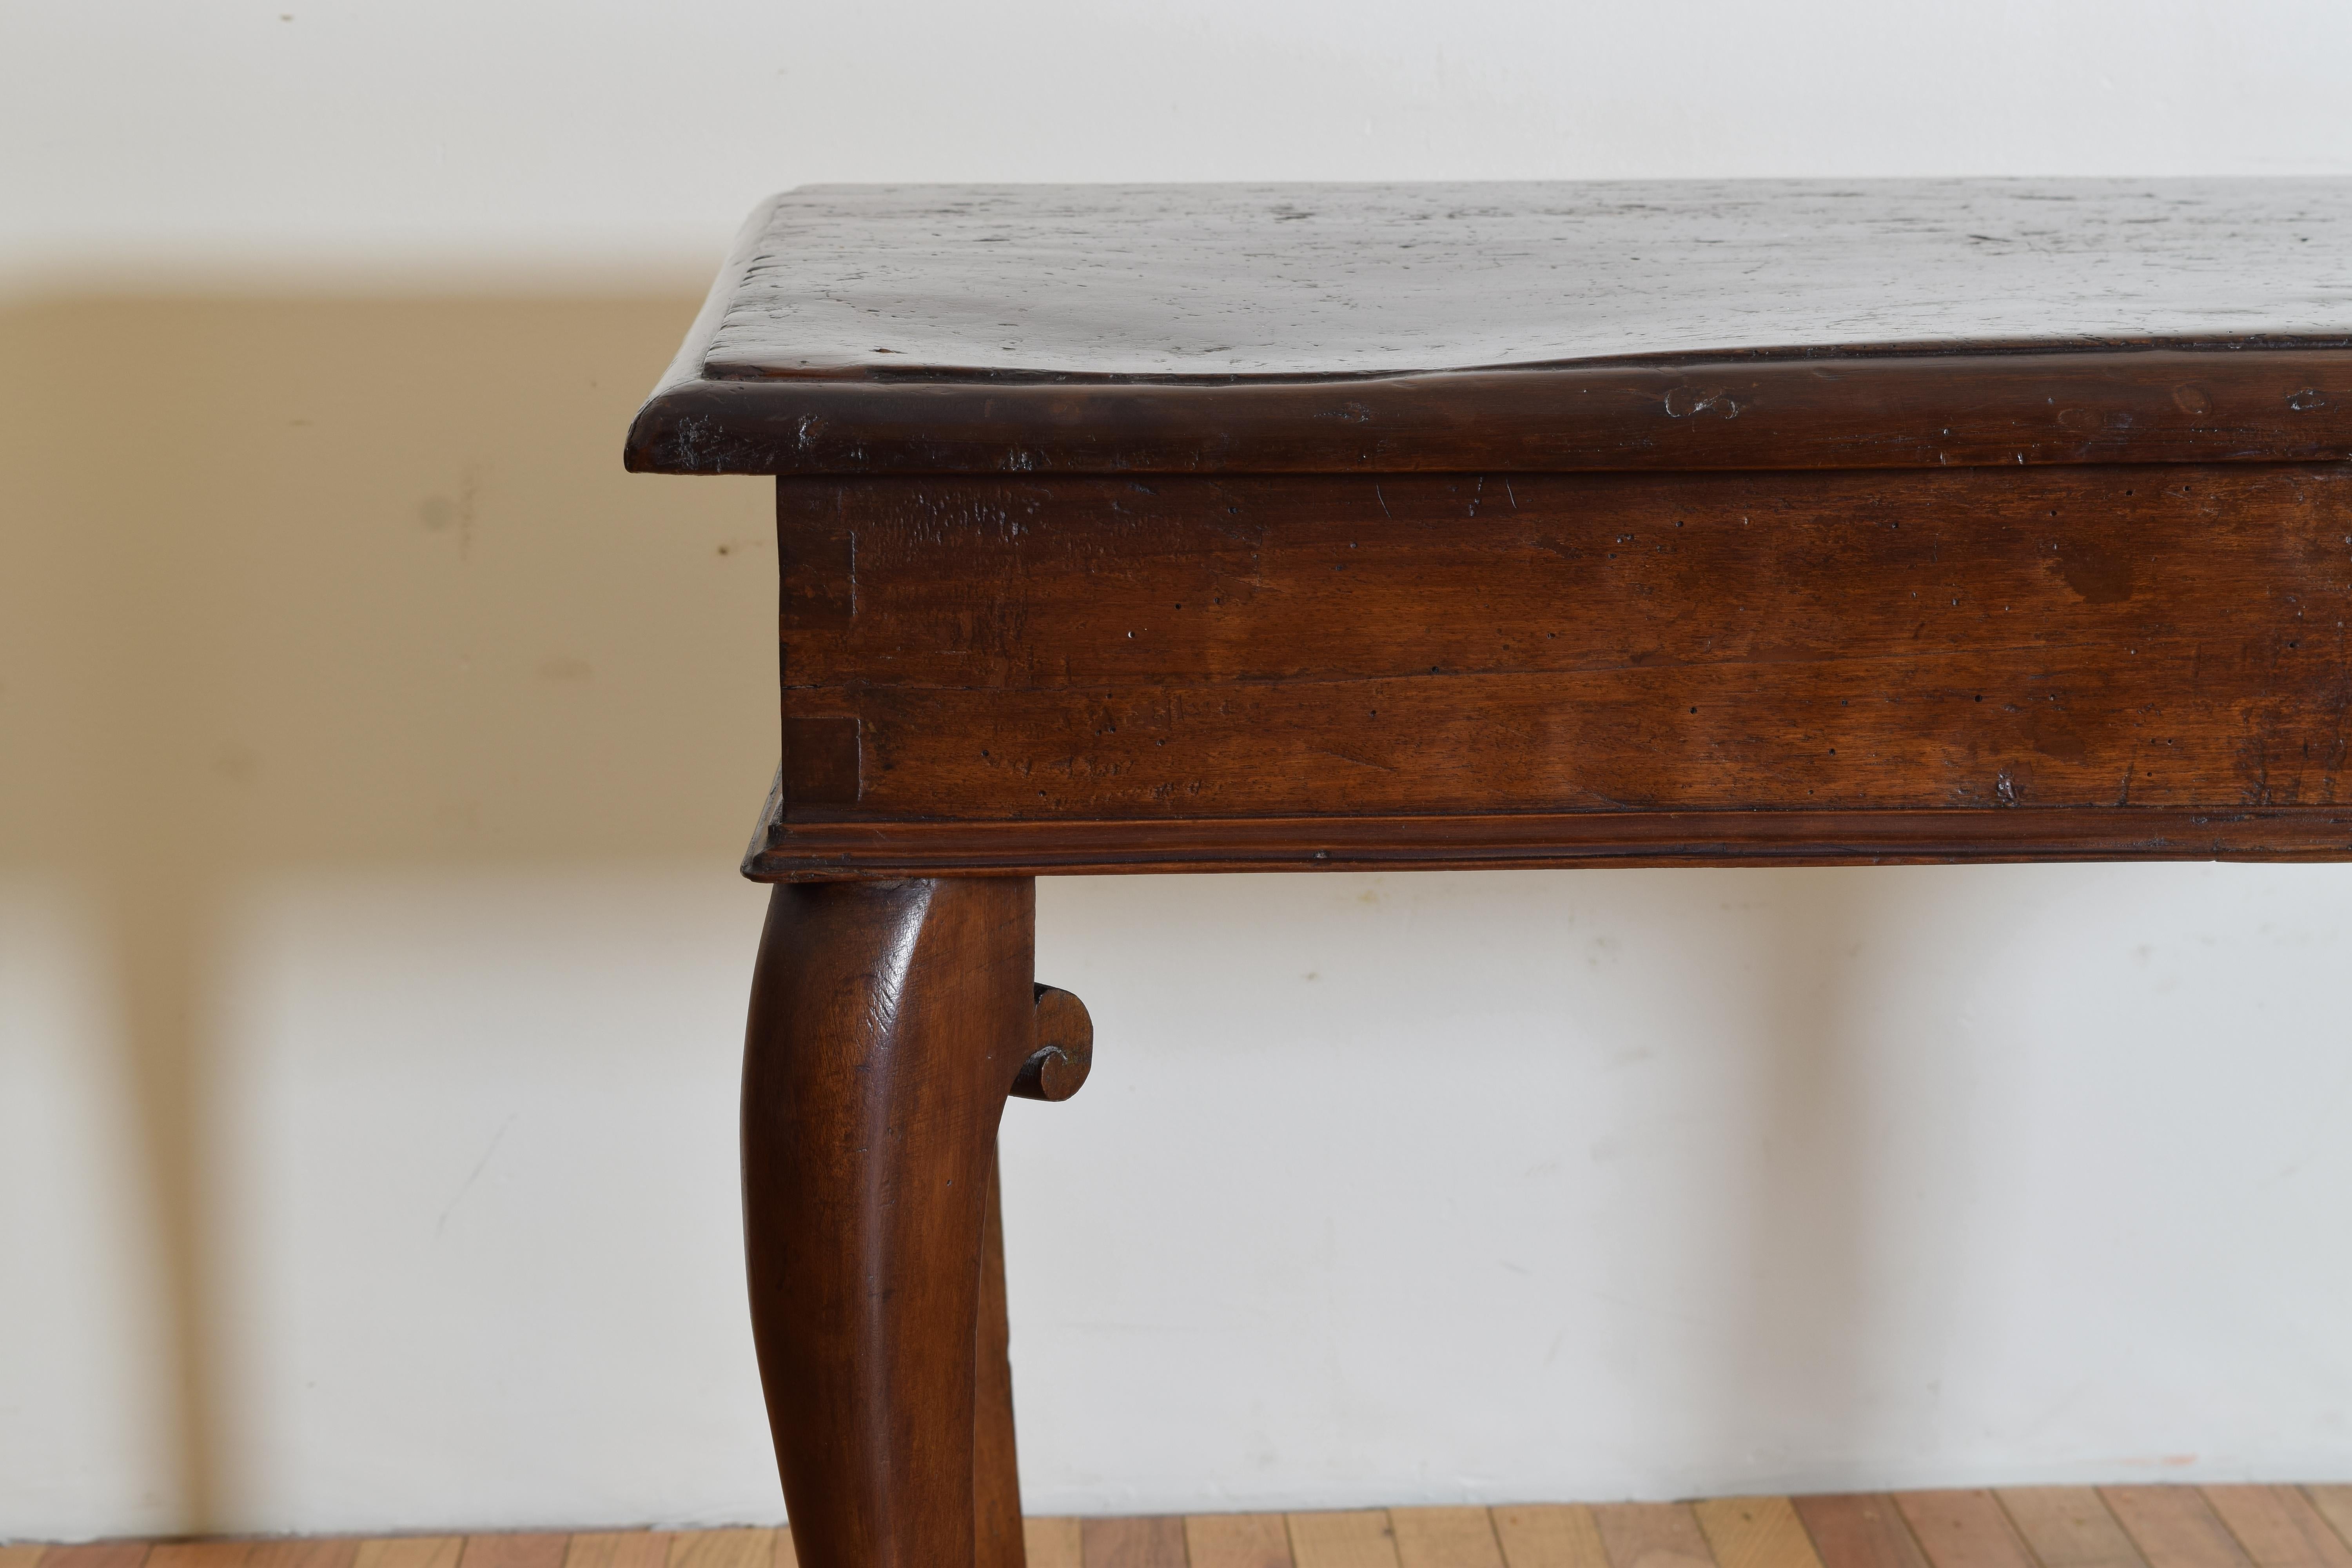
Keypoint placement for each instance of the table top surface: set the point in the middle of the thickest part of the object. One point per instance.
(1275, 281)
(1195, 328)
(1289, 527)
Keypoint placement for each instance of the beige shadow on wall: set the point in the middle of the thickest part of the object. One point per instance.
(293, 582)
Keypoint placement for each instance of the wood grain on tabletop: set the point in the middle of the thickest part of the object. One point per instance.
(1155, 1541)
(2070, 1526)
(1756, 1532)
(1964, 1530)
(1651, 1535)
(1235, 1540)
(1444, 1538)
(2174, 1527)
(1549, 1535)
(1680, 324)
(2279, 1527)
(1353, 1538)
(1859, 1530)
(1216, 282)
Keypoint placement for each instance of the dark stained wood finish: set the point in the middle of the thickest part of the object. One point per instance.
(1268, 671)
(1962, 408)
(1063, 1048)
(1295, 528)
(1529, 327)
(1220, 282)
(997, 1539)
(888, 1021)
(825, 850)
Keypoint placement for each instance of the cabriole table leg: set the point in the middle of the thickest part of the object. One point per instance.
(889, 1021)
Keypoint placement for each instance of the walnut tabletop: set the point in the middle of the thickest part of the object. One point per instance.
(1253, 527)
(1249, 527)
(1193, 328)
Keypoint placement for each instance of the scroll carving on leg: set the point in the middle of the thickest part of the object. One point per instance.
(890, 1022)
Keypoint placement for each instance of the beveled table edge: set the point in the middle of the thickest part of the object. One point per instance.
(1968, 407)
(2257, 398)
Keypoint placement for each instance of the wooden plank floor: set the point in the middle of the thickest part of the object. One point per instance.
(2043, 1527)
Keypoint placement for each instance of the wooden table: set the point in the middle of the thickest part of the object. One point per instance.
(1321, 527)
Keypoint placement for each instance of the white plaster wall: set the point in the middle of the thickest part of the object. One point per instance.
(1497, 1187)
(87, 1403)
